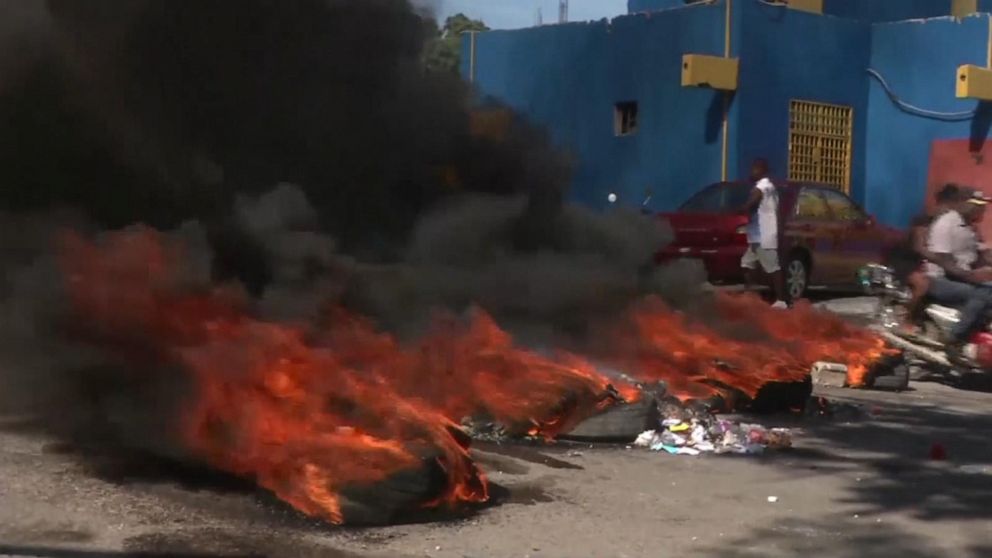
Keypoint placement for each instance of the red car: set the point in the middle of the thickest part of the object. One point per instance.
(827, 237)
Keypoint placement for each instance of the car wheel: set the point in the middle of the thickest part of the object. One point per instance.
(796, 277)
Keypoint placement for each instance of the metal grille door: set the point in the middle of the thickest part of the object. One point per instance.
(820, 143)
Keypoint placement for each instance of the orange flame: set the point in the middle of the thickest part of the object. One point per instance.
(310, 412)
(811, 335)
(750, 346)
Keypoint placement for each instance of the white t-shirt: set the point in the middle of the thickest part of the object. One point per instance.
(950, 234)
(763, 226)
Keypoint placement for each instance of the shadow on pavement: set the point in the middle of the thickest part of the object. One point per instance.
(892, 452)
(837, 539)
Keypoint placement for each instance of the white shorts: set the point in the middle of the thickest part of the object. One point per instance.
(767, 257)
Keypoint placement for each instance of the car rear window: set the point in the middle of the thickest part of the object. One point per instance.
(718, 198)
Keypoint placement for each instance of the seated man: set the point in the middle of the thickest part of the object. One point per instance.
(955, 252)
(908, 257)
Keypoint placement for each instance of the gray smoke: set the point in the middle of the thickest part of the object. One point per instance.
(183, 116)
(71, 388)
(591, 267)
(464, 254)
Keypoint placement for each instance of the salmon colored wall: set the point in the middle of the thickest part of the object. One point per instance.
(954, 161)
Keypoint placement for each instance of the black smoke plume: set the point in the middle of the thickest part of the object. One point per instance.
(159, 111)
(396, 197)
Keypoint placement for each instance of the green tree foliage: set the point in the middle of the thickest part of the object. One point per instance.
(443, 51)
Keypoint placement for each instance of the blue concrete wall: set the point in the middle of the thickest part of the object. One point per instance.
(788, 54)
(569, 77)
(887, 10)
(918, 60)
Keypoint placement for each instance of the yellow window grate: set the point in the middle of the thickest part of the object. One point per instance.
(820, 143)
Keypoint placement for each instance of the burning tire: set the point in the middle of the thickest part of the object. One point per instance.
(620, 423)
(891, 374)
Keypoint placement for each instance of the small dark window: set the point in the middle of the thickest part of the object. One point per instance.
(625, 118)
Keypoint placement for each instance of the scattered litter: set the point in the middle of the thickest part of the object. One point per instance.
(713, 435)
(772, 499)
(645, 439)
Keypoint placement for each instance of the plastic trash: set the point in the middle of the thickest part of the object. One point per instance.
(699, 435)
(779, 438)
(706, 447)
(773, 499)
(695, 433)
(645, 439)
(672, 439)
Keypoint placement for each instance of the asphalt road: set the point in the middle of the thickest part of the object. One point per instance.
(859, 486)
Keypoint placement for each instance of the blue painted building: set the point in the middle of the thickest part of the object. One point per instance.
(585, 81)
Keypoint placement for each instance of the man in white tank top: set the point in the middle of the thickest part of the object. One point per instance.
(762, 232)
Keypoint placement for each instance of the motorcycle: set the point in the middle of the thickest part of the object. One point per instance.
(928, 346)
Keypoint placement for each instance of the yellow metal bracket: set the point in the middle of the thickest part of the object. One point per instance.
(974, 82)
(714, 72)
(963, 8)
(812, 6)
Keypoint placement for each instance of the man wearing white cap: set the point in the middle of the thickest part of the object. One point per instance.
(955, 276)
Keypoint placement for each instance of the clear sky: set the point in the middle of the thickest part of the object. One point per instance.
(509, 14)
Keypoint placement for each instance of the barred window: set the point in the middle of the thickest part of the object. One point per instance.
(820, 143)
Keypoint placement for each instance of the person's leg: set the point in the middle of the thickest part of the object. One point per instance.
(749, 263)
(972, 301)
(949, 293)
(919, 284)
(771, 265)
(778, 283)
(973, 312)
